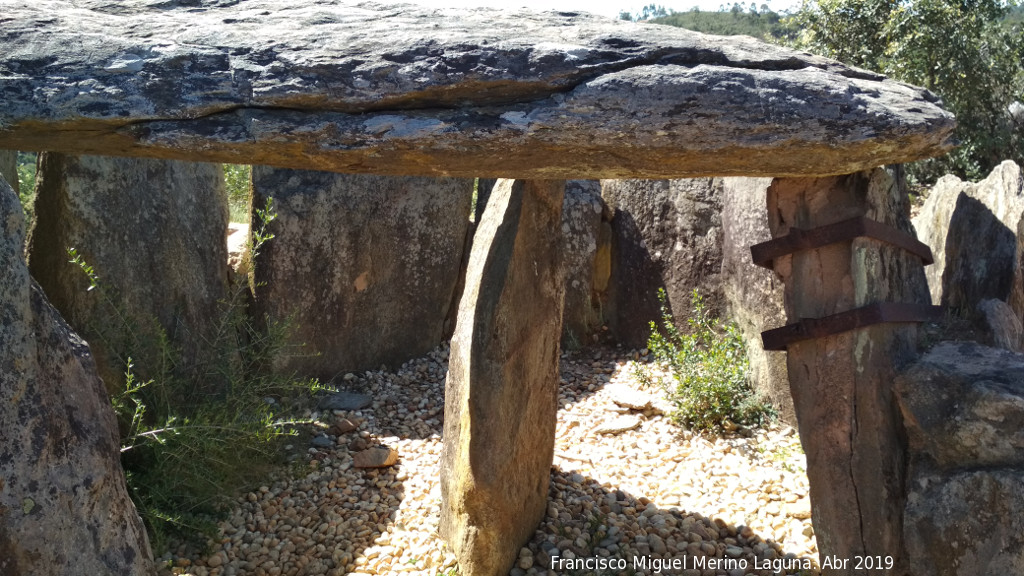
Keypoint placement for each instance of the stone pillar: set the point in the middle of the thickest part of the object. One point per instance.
(667, 234)
(581, 230)
(154, 231)
(64, 506)
(753, 295)
(849, 421)
(363, 268)
(9, 167)
(501, 396)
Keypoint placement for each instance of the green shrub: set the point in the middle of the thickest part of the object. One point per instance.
(27, 182)
(707, 368)
(193, 437)
(237, 177)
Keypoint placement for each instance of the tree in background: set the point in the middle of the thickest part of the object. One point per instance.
(966, 51)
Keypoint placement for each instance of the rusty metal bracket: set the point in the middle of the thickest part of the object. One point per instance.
(860, 227)
(810, 328)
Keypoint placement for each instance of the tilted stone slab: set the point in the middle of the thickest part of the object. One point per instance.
(399, 89)
(501, 395)
(971, 228)
(154, 231)
(64, 506)
(362, 268)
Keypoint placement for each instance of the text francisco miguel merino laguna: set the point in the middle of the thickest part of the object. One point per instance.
(659, 565)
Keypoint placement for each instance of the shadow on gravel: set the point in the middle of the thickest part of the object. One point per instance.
(586, 520)
(584, 371)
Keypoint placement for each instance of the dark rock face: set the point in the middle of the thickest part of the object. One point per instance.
(666, 233)
(501, 395)
(752, 294)
(363, 267)
(64, 506)
(375, 88)
(971, 229)
(581, 227)
(154, 230)
(963, 408)
(9, 168)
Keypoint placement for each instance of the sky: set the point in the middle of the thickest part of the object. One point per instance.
(603, 7)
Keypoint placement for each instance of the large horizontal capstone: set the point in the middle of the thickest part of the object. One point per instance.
(401, 89)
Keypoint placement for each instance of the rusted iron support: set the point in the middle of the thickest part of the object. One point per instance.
(799, 239)
(878, 313)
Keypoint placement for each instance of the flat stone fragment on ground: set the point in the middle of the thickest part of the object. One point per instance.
(348, 87)
(628, 397)
(618, 425)
(347, 401)
(380, 457)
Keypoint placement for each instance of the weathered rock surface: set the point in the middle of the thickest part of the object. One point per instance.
(581, 227)
(1016, 300)
(752, 294)
(64, 506)
(967, 524)
(363, 268)
(9, 167)
(963, 406)
(501, 395)
(666, 234)
(963, 409)
(971, 229)
(154, 232)
(1002, 325)
(365, 87)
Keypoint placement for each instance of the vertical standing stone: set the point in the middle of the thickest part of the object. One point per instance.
(581, 229)
(9, 167)
(501, 395)
(849, 422)
(667, 234)
(362, 267)
(64, 506)
(753, 295)
(154, 231)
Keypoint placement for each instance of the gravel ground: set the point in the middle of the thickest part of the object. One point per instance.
(626, 484)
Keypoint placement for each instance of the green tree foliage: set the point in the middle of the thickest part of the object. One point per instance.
(966, 51)
(760, 23)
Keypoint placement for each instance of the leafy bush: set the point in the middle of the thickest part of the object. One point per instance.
(236, 177)
(192, 438)
(27, 182)
(708, 370)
